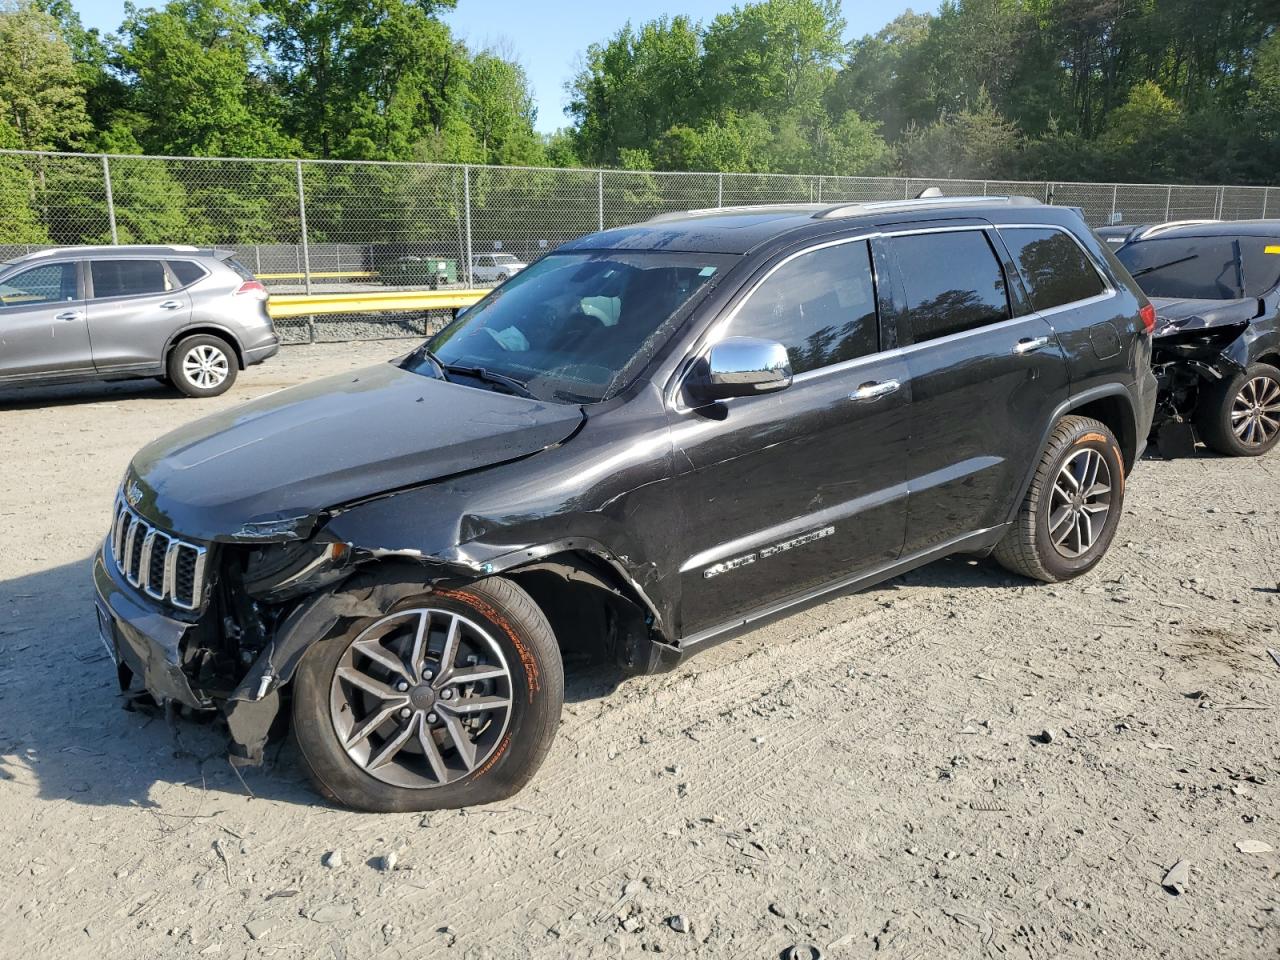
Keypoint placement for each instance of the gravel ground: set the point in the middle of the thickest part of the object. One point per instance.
(957, 763)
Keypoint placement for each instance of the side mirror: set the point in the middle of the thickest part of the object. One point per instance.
(744, 367)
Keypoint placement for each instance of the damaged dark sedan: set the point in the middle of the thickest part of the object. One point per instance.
(652, 439)
(1216, 290)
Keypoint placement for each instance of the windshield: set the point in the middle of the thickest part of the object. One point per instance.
(574, 327)
(504, 258)
(1204, 268)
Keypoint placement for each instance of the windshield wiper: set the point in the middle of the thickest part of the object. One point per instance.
(488, 376)
(1161, 266)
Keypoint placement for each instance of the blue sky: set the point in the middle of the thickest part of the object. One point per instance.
(549, 36)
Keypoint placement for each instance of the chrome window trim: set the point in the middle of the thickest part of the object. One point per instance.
(715, 330)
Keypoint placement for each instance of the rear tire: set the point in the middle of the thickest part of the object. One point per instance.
(412, 759)
(1240, 416)
(203, 366)
(1071, 511)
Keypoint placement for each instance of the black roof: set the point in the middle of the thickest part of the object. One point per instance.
(742, 229)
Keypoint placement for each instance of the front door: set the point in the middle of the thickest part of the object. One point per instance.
(787, 492)
(43, 328)
(983, 384)
(133, 312)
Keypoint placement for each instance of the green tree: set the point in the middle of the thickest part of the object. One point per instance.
(975, 142)
(18, 211)
(635, 87)
(196, 81)
(41, 92)
(772, 55)
(500, 111)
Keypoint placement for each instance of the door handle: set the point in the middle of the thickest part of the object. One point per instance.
(1030, 344)
(870, 391)
(67, 315)
(171, 305)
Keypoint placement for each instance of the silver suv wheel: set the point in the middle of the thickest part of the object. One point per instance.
(205, 366)
(421, 698)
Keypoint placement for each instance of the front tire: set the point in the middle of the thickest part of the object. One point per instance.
(1070, 514)
(203, 366)
(1240, 416)
(450, 698)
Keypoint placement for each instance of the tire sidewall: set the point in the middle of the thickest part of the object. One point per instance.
(177, 374)
(536, 701)
(1088, 436)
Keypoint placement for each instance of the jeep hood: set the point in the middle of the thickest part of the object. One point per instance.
(301, 450)
(1182, 316)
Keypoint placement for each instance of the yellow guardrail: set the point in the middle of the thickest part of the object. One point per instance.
(284, 305)
(321, 275)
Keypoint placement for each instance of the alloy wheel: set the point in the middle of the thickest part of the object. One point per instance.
(205, 366)
(1080, 503)
(421, 698)
(1255, 412)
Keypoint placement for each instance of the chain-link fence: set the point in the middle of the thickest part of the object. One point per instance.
(319, 226)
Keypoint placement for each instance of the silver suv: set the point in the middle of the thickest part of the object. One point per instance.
(191, 317)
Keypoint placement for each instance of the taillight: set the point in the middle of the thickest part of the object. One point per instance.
(254, 287)
(1148, 315)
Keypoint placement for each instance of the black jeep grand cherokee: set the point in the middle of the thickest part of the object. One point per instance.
(650, 440)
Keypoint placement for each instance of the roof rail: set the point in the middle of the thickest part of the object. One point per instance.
(1149, 232)
(855, 209)
(740, 208)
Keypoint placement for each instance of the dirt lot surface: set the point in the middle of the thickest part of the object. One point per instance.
(955, 764)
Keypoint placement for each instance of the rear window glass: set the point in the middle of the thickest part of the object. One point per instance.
(1199, 268)
(186, 271)
(953, 282)
(1054, 268)
(126, 278)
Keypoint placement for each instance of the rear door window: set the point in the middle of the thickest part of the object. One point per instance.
(1196, 268)
(47, 283)
(128, 278)
(1054, 267)
(953, 282)
(821, 306)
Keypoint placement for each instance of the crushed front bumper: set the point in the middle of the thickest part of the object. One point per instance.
(141, 638)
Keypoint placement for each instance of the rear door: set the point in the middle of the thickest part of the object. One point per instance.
(983, 382)
(791, 491)
(1066, 287)
(43, 328)
(134, 309)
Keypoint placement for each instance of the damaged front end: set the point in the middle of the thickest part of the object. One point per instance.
(1196, 343)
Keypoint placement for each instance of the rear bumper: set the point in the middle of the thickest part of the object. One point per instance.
(141, 638)
(262, 351)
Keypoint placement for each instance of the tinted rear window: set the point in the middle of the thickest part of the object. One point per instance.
(1193, 267)
(186, 271)
(953, 282)
(127, 278)
(1054, 268)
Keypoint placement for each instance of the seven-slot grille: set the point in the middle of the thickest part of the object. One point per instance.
(163, 566)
